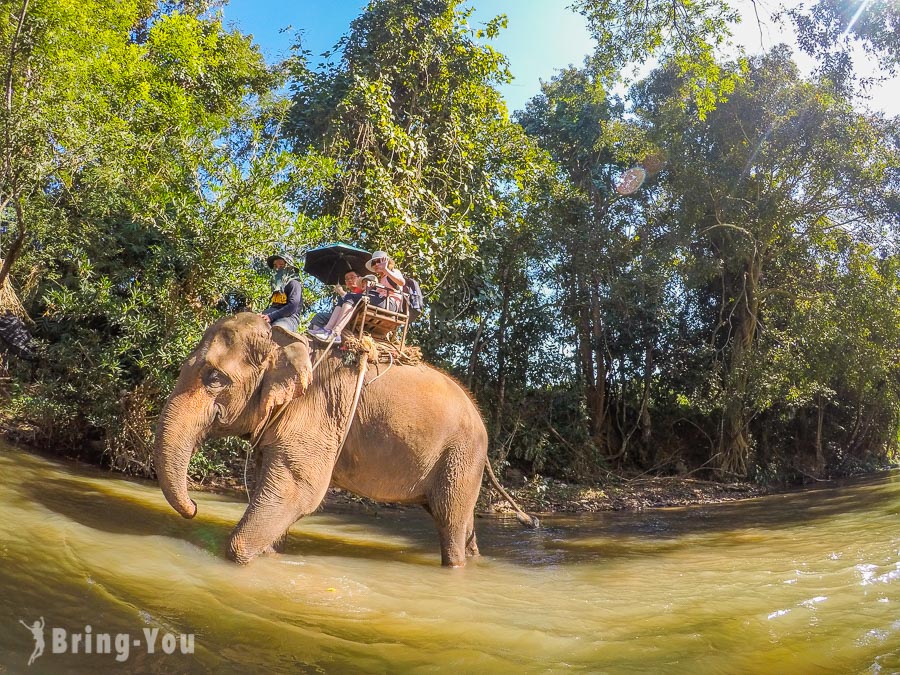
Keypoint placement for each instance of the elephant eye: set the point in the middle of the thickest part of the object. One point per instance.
(215, 379)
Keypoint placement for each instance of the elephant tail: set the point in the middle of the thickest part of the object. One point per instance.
(524, 518)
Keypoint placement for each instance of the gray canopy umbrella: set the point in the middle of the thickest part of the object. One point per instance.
(330, 262)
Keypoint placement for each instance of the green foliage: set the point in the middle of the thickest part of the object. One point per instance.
(224, 458)
(827, 29)
(682, 32)
(420, 139)
(150, 183)
(790, 175)
(731, 313)
(680, 304)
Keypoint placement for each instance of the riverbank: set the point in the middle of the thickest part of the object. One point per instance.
(547, 495)
(535, 494)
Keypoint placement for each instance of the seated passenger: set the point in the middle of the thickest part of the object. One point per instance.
(389, 291)
(286, 301)
(385, 289)
(352, 283)
(359, 286)
(352, 290)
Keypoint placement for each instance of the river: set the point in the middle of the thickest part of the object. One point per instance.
(806, 582)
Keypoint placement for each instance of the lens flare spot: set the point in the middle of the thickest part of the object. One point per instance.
(653, 162)
(631, 180)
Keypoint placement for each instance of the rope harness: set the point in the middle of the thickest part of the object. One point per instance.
(363, 367)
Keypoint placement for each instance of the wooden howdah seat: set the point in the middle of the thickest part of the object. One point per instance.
(380, 322)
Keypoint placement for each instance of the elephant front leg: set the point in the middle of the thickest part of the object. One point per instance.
(278, 502)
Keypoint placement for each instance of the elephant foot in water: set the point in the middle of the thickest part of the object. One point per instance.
(276, 546)
(472, 546)
(241, 555)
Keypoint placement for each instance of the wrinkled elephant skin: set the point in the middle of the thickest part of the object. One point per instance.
(416, 438)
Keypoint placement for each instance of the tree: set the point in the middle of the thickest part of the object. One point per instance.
(767, 173)
(828, 29)
(684, 34)
(834, 339)
(594, 236)
(417, 135)
(138, 146)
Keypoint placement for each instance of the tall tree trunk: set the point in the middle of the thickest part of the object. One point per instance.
(16, 248)
(820, 454)
(589, 343)
(736, 442)
(582, 333)
(473, 357)
(8, 175)
(11, 62)
(501, 347)
(646, 425)
(597, 407)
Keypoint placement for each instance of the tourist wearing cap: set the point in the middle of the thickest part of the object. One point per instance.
(389, 291)
(286, 302)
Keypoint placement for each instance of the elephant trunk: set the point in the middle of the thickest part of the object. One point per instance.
(179, 432)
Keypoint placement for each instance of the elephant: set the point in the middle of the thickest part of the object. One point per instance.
(416, 436)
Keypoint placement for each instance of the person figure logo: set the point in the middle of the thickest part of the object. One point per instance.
(37, 632)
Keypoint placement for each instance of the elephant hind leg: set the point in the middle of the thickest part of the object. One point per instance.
(450, 541)
(453, 546)
(454, 489)
(455, 522)
(471, 541)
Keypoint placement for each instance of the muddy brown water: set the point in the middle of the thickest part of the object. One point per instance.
(801, 583)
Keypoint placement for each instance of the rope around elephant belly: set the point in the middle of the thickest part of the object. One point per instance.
(363, 366)
(325, 352)
(252, 447)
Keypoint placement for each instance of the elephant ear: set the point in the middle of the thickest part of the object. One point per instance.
(287, 377)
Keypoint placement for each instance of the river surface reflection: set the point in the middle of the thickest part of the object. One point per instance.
(801, 583)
